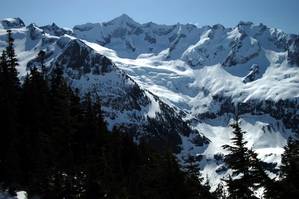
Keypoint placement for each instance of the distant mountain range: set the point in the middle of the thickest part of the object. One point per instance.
(177, 86)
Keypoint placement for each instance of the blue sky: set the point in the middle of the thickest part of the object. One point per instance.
(283, 14)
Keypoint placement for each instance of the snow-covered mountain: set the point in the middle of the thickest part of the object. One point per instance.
(124, 104)
(11, 23)
(178, 84)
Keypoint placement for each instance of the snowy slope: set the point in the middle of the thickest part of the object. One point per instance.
(124, 104)
(205, 79)
(196, 92)
(131, 39)
(159, 75)
(265, 135)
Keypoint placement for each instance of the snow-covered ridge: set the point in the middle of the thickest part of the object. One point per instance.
(10, 23)
(125, 105)
(150, 76)
(207, 45)
(53, 29)
(201, 72)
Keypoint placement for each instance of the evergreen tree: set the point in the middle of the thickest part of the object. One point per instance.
(260, 178)
(238, 159)
(12, 61)
(41, 57)
(290, 170)
(220, 192)
(35, 128)
(194, 179)
(9, 94)
(76, 121)
(192, 166)
(290, 161)
(4, 136)
(55, 145)
(171, 178)
(61, 127)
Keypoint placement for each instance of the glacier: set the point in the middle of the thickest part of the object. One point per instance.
(181, 76)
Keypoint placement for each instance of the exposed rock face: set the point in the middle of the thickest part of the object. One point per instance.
(10, 23)
(83, 59)
(284, 110)
(162, 130)
(55, 30)
(243, 49)
(34, 32)
(125, 105)
(252, 75)
(293, 50)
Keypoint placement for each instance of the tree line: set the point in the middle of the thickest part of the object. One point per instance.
(54, 144)
(250, 174)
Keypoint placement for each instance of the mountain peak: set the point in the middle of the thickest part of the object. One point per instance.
(244, 25)
(218, 27)
(124, 16)
(123, 19)
(54, 25)
(8, 23)
(54, 29)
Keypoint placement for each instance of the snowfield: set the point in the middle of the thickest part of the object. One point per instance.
(198, 71)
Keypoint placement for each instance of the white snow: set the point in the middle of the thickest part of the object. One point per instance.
(265, 135)
(186, 67)
(20, 195)
(154, 107)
